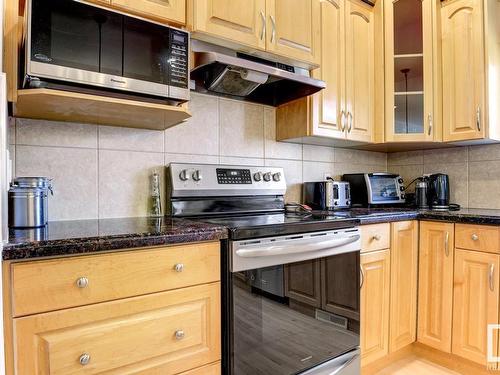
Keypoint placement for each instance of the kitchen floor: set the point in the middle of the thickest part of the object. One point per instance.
(414, 365)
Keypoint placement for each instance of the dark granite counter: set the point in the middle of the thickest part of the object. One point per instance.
(89, 236)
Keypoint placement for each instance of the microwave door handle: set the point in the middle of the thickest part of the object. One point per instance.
(295, 246)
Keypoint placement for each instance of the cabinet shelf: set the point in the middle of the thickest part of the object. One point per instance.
(57, 105)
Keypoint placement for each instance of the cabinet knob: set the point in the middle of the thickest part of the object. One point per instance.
(179, 267)
(179, 334)
(474, 237)
(377, 237)
(82, 282)
(84, 359)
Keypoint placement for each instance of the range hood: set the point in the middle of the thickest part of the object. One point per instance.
(241, 76)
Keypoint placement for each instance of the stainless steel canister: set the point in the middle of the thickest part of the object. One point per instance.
(28, 202)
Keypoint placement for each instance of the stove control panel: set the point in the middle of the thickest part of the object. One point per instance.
(185, 179)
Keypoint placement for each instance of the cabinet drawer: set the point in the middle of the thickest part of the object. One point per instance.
(42, 286)
(375, 237)
(211, 369)
(477, 237)
(162, 333)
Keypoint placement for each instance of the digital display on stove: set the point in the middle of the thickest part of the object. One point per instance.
(234, 176)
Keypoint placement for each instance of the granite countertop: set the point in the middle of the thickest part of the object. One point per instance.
(90, 236)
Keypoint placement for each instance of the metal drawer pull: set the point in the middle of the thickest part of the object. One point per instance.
(377, 237)
(429, 119)
(82, 282)
(342, 120)
(349, 122)
(446, 244)
(179, 267)
(179, 334)
(84, 359)
(474, 237)
(478, 118)
(362, 275)
(273, 32)
(492, 273)
(263, 32)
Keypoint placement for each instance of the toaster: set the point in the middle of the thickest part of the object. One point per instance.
(327, 195)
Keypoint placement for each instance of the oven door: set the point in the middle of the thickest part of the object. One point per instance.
(296, 317)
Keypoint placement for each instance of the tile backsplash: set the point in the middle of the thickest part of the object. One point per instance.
(474, 171)
(103, 172)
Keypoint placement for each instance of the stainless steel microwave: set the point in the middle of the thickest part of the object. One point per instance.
(84, 45)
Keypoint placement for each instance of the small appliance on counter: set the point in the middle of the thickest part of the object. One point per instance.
(28, 202)
(433, 191)
(376, 189)
(327, 195)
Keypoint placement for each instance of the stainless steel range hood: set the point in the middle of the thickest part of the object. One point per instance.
(228, 73)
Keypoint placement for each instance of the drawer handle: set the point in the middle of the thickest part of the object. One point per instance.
(84, 359)
(377, 237)
(82, 282)
(179, 334)
(491, 277)
(474, 237)
(179, 267)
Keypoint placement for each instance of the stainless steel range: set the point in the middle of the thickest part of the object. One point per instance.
(290, 282)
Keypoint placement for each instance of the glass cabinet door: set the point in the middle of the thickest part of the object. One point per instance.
(409, 67)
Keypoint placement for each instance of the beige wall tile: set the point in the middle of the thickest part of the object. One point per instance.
(345, 168)
(293, 175)
(199, 134)
(189, 158)
(446, 155)
(345, 155)
(273, 149)
(408, 173)
(458, 175)
(315, 171)
(53, 133)
(74, 174)
(242, 129)
(484, 152)
(405, 158)
(124, 182)
(129, 139)
(484, 183)
(12, 130)
(319, 153)
(242, 161)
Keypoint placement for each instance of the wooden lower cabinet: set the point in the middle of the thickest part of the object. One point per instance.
(211, 369)
(161, 333)
(404, 273)
(375, 268)
(475, 304)
(435, 286)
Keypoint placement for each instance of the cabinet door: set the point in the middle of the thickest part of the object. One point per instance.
(463, 70)
(237, 21)
(404, 269)
(293, 29)
(328, 116)
(360, 71)
(302, 282)
(375, 268)
(409, 68)
(475, 303)
(435, 286)
(165, 10)
(340, 285)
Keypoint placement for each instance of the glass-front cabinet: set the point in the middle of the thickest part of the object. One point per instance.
(411, 72)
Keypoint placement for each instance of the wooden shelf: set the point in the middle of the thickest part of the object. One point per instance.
(48, 104)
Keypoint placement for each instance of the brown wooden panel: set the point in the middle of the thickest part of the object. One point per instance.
(302, 282)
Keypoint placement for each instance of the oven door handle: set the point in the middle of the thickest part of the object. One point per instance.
(295, 246)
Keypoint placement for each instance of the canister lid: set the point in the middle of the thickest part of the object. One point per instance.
(33, 182)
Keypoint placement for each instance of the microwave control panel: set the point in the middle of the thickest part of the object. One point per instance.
(178, 59)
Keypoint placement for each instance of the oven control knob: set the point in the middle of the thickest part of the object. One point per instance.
(402, 188)
(184, 175)
(277, 177)
(400, 180)
(257, 176)
(197, 176)
(267, 176)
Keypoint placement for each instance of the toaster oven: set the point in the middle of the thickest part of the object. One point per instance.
(374, 189)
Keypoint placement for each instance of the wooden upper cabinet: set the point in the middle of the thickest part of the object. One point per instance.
(360, 71)
(463, 70)
(475, 303)
(435, 285)
(375, 289)
(412, 83)
(237, 21)
(293, 29)
(328, 115)
(164, 10)
(404, 273)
